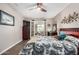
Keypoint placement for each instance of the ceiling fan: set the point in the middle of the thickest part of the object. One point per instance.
(39, 6)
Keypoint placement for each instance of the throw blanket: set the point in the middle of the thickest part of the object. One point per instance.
(50, 46)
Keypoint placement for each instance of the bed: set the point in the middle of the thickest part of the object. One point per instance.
(71, 32)
(49, 45)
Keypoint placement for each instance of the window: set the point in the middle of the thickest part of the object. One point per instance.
(40, 28)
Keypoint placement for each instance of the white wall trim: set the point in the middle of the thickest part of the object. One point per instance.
(10, 47)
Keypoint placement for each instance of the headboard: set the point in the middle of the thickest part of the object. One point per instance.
(71, 31)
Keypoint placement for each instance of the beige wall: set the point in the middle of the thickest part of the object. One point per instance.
(10, 35)
(68, 10)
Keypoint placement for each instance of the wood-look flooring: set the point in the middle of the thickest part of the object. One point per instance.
(16, 49)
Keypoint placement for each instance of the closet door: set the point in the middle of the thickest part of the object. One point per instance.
(26, 30)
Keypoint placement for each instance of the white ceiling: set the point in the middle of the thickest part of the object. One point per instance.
(52, 9)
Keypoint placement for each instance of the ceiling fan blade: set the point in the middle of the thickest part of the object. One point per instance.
(44, 10)
(31, 8)
(38, 5)
(41, 6)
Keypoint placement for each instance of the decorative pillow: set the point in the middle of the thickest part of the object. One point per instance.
(62, 35)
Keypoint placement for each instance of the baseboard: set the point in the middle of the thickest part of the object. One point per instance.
(10, 47)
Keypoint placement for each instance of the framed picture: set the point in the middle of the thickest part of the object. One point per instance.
(6, 19)
(54, 27)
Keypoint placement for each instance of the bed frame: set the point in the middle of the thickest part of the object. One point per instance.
(71, 31)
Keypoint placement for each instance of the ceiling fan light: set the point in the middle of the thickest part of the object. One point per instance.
(38, 8)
